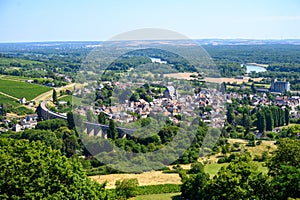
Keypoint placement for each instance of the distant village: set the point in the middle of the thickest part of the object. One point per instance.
(172, 104)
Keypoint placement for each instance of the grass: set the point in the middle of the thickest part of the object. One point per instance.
(7, 61)
(73, 99)
(257, 150)
(168, 196)
(213, 169)
(22, 110)
(20, 89)
(147, 178)
(7, 100)
(14, 78)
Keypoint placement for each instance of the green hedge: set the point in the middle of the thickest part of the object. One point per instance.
(153, 189)
(158, 189)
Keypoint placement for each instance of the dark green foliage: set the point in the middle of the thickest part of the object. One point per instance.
(135, 97)
(103, 96)
(229, 69)
(74, 121)
(2, 110)
(239, 180)
(230, 116)
(261, 122)
(158, 189)
(112, 132)
(194, 182)
(126, 188)
(54, 96)
(287, 116)
(31, 170)
(102, 118)
(51, 124)
(284, 168)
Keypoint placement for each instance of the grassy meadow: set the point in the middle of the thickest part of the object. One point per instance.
(20, 89)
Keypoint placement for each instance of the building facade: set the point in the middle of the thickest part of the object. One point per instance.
(279, 86)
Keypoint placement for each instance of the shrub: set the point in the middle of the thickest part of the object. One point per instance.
(222, 160)
(126, 188)
(236, 144)
(271, 135)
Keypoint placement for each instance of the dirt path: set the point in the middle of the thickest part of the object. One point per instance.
(4, 94)
(47, 95)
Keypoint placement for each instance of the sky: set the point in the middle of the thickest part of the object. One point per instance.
(98, 20)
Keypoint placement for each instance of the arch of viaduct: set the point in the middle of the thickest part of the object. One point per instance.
(92, 129)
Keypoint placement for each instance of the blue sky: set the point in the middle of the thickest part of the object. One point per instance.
(74, 20)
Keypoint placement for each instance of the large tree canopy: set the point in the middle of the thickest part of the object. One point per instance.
(31, 170)
(284, 168)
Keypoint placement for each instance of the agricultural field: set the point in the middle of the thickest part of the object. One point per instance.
(159, 178)
(20, 89)
(168, 196)
(257, 150)
(8, 100)
(12, 61)
(147, 178)
(187, 76)
(14, 78)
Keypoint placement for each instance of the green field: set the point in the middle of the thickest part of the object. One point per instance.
(168, 196)
(7, 100)
(213, 169)
(7, 61)
(14, 78)
(20, 89)
(73, 99)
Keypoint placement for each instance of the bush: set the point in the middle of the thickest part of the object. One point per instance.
(236, 144)
(250, 137)
(126, 188)
(271, 135)
(158, 189)
(251, 144)
(222, 160)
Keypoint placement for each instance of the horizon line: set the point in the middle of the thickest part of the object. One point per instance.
(50, 41)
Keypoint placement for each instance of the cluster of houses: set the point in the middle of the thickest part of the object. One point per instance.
(292, 102)
(171, 104)
(29, 122)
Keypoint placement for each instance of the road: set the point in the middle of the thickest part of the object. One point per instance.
(48, 95)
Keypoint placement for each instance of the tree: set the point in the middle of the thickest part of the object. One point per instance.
(112, 132)
(2, 110)
(70, 120)
(284, 168)
(126, 188)
(194, 182)
(287, 116)
(230, 115)
(102, 118)
(46, 136)
(261, 121)
(246, 121)
(269, 120)
(74, 120)
(51, 124)
(31, 170)
(239, 180)
(54, 96)
(135, 97)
